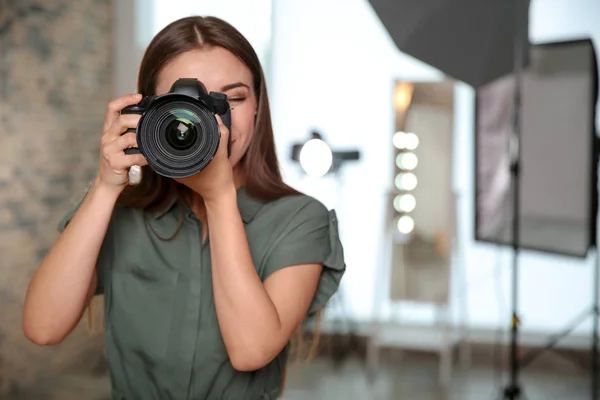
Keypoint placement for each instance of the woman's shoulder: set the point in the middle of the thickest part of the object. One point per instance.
(299, 205)
(292, 213)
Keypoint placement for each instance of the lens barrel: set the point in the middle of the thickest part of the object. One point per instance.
(178, 137)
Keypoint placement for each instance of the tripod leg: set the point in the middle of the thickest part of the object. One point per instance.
(595, 367)
(513, 393)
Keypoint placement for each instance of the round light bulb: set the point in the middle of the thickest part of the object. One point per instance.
(405, 202)
(316, 158)
(405, 140)
(407, 161)
(406, 181)
(405, 224)
(402, 96)
(411, 141)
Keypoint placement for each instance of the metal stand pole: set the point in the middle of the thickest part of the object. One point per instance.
(595, 311)
(513, 390)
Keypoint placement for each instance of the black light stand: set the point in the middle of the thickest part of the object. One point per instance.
(513, 390)
(348, 342)
(594, 310)
(339, 157)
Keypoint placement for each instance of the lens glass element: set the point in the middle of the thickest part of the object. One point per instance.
(180, 130)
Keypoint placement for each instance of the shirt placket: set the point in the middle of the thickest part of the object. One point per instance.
(192, 306)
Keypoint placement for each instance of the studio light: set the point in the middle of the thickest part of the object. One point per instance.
(405, 140)
(405, 143)
(403, 93)
(406, 181)
(405, 203)
(406, 224)
(316, 157)
(407, 161)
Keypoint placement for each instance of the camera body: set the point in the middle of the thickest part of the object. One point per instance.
(178, 133)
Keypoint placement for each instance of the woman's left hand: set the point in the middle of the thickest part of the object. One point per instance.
(217, 177)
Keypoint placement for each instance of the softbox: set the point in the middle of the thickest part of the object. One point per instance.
(558, 169)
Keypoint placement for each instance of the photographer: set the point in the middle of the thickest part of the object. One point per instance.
(206, 277)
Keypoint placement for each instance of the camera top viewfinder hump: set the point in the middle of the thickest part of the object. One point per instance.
(178, 133)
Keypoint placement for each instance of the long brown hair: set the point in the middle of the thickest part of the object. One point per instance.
(259, 165)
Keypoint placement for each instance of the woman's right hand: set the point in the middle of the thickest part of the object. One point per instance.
(113, 171)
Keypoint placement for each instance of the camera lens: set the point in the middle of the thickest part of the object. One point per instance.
(178, 136)
(180, 132)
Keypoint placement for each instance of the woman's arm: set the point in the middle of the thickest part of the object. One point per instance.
(66, 279)
(256, 320)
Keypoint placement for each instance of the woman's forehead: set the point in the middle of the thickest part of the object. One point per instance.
(215, 67)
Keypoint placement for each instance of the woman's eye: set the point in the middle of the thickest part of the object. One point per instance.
(237, 99)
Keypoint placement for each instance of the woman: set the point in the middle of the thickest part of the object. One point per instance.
(205, 278)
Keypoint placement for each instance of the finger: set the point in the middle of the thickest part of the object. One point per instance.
(127, 161)
(222, 128)
(115, 107)
(122, 162)
(120, 125)
(126, 141)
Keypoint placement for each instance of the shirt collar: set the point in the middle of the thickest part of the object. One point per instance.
(248, 206)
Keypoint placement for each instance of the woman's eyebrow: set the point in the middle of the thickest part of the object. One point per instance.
(233, 86)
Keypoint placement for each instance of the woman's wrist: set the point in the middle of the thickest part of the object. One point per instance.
(227, 195)
(223, 199)
(102, 192)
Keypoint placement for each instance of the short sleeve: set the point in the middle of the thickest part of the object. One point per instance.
(105, 256)
(311, 236)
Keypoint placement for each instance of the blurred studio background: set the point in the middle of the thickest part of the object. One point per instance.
(414, 157)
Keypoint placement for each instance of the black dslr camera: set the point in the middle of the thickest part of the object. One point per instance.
(178, 132)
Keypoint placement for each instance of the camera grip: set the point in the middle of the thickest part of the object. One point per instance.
(132, 150)
(226, 118)
(139, 109)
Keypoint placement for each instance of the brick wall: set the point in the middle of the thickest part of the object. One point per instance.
(55, 82)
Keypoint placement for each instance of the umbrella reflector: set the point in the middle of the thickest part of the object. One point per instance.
(470, 40)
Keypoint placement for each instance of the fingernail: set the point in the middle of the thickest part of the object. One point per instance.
(137, 96)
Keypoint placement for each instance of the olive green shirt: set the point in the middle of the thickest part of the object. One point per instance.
(162, 336)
